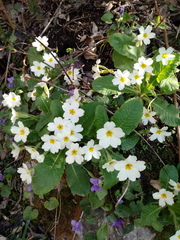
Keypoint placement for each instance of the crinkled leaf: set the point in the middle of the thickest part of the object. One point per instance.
(170, 84)
(51, 204)
(48, 174)
(29, 213)
(129, 141)
(102, 232)
(104, 85)
(149, 217)
(101, 116)
(168, 113)
(129, 115)
(56, 108)
(122, 62)
(34, 55)
(42, 101)
(77, 179)
(43, 121)
(175, 208)
(166, 173)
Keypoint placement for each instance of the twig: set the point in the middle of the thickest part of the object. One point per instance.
(123, 193)
(79, 221)
(2, 8)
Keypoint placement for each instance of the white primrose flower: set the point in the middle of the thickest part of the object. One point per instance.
(51, 143)
(176, 236)
(50, 59)
(110, 135)
(38, 68)
(75, 130)
(176, 186)
(136, 77)
(11, 100)
(109, 166)
(72, 111)
(121, 79)
(75, 97)
(91, 150)
(145, 34)
(43, 84)
(96, 69)
(73, 74)
(15, 152)
(21, 132)
(165, 55)
(25, 174)
(148, 116)
(35, 154)
(58, 125)
(143, 65)
(159, 134)
(66, 139)
(23, 76)
(32, 94)
(164, 197)
(39, 45)
(15, 115)
(129, 168)
(74, 154)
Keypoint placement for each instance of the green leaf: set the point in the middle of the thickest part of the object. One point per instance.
(29, 213)
(43, 121)
(169, 69)
(56, 108)
(149, 217)
(107, 17)
(87, 120)
(101, 117)
(95, 201)
(122, 62)
(166, 173)
(34, 55)
(125, 46)
(51, 204)
(48, 174)
(42, 101)
(175, 208)
(77, 179)
(5, 191)
(110, 178)
(129, 115)
(102, 232)
(129, 141)
(104, 85)
(89, 236)
(168, 113)
(122, 211)
(170, 84)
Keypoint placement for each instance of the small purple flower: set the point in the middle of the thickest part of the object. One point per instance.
(118, 223)
(71, 92)
(2, 122)
(95, 182)
(10, 80)
(29, 188)
(11, 138)
(1, 177)
(121, 10)
(120, 202)
(77, 226)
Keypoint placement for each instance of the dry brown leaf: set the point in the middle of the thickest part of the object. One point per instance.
(155, 184)
(90, 55)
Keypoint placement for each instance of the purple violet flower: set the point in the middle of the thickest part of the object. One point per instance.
(118, 223)
(2, 122)
(77, 226)
(120, 202)
(121, 10)
(29, 188)
(11, 138)
(10, 80)
(71, 92)
(1, 177)
(95, 182)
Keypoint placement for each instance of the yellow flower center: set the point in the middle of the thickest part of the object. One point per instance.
(27, 172)
(72, 132)
(143, 65)
(33, 150)
(74, 152)
(122, 79)
(72, 111)
(109, 133)
(128, 166)
(50, 60)
(147, 115)
(164, 55)
(34, 94)
(163, 195)
(59, 127)
(38, 68)
(178, 185)
(178, 236)
(144, 35)
(22, 132)
(66, 139)
(136, 77)
(158, 132)
(112, 162)
(69, 72)
(52, 141)
(91, 149)
(13, 98)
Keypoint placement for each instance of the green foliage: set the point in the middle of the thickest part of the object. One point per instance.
(102, 232)
(129, 115)
(48, 174)
(107, 17)
(166, 173)
(77, 180)
(101, 117)
(51, 204)
(29, 213)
